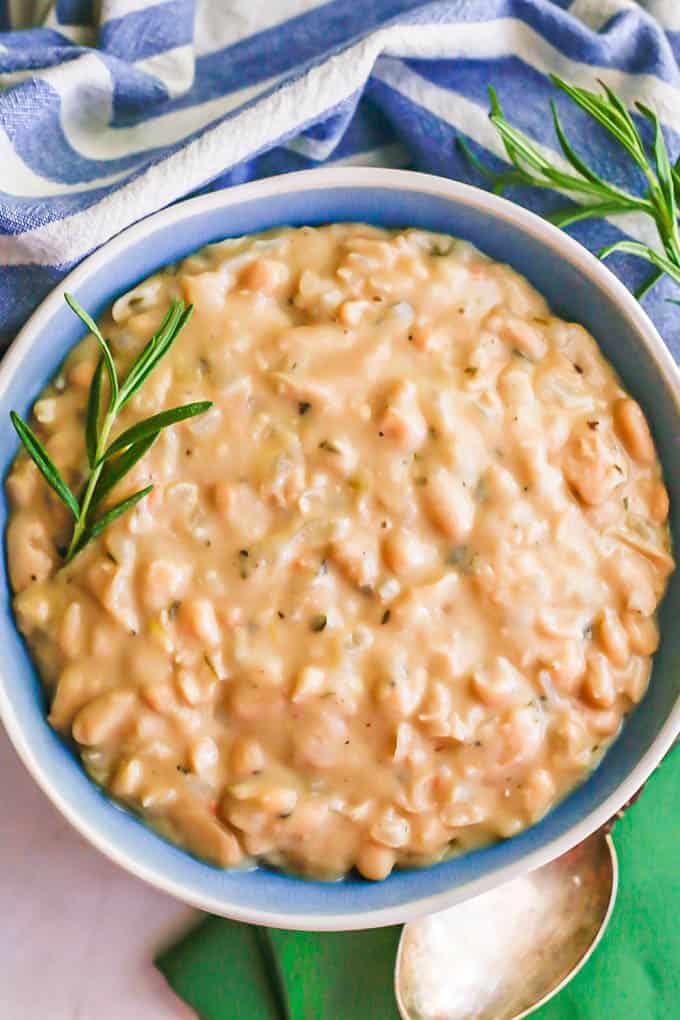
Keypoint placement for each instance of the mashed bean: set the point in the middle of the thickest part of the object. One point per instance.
(391, 598)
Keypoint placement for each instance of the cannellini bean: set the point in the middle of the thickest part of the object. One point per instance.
(264, 275)
(159, 696)
(523, 337)
(449, 504)
(643, 633)
(265, 670)
(390, 829)
(278, 800)
(658, 503)
(21, 483)
(193, 689)
(200, 616)
(522, 733)
(568, 665)
(539, 793)
(121, 547)
(405, 553)
(246, 756)
(245, 815)
(157, 797)
(321, 739)
(501, 484)
(598, 687)
(147, 728)
(310, 683)
(435, 713)
(499, 684)
(71, 637)
(605, 722)
(31, 556)
(258, 844)
(81, 372)
(310, 816)
(375, 862)
(403, 420)
(508, 826)
(571, 732)
(99, 720)
(164, 583)
(139, 299)
(128, 778)
(518, 395)
(631, 580)
(429, 835)
(207, 292)
(589, 466)
(409, 746)
(181, 498)
(565, 623)
(612, 637)
(77, 685)
(45, 410)
(401, 688)
(350, 313)
(460, 815)
(419, 796)
(204, 756)
(204, 835)
(111, 586)
(248, 702)
(357, 557)
(633, 429)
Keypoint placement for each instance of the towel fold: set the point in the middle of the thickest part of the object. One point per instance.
(111, 110)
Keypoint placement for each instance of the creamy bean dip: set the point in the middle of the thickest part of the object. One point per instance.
(391, 598)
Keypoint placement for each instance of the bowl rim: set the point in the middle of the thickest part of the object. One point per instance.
(380, 179)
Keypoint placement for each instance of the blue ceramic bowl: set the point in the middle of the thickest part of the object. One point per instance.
(578, 288)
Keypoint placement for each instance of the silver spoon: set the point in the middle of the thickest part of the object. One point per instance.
(502, 955)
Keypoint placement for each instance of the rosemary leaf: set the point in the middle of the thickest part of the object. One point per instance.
(120, 508)
(644, 252)
(44, 463)
(157, 348)
(650, 282)
(96, 332)
(155, 424)
(566, 217)
(531, 166)
(108, 465)
(661, 158)
(116, 468)
(578, 164)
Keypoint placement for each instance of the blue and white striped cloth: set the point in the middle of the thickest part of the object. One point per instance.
(111, 109)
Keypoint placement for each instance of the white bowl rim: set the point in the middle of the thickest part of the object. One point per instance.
(330, 178)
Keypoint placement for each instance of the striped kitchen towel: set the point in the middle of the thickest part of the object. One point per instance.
(112, 109)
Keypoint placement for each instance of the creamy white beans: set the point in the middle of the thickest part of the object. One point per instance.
(390, 598)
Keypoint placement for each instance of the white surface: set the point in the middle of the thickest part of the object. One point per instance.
(77, 934)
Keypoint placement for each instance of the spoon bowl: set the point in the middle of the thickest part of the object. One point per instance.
(502, 955)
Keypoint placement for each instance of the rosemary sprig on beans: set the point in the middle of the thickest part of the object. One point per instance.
(660, 201)
(109, 462)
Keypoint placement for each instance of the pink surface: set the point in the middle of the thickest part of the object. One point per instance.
(77, 934)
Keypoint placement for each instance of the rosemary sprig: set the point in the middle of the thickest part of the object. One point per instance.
(110, 462)
(660, 200)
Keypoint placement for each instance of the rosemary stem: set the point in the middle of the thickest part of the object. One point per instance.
(80, 524)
